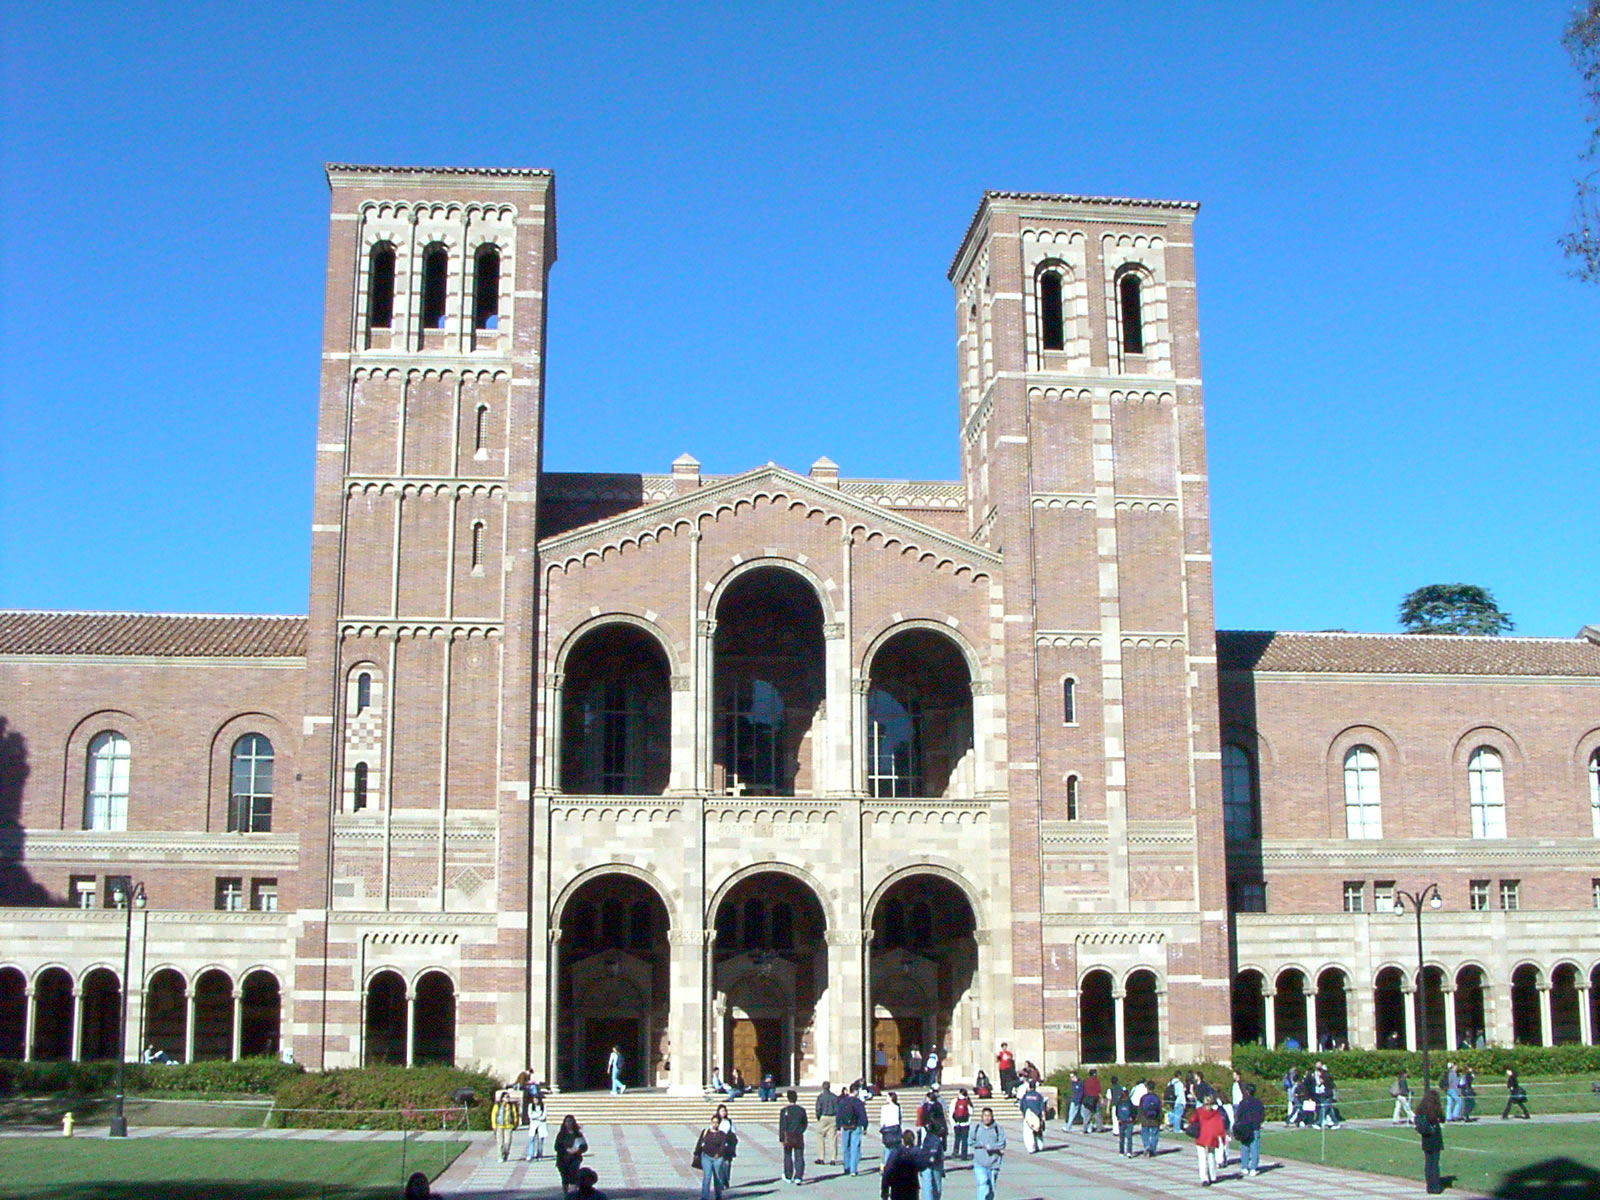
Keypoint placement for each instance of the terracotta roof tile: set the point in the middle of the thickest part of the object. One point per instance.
(151, 635)
(1405, 654)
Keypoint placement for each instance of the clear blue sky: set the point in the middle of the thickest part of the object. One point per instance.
(757, 206)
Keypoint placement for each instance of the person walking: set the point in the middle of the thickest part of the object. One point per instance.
(570, 1147)
(1450, 1081)
(932, 1065)
(1177, 1102)
(827, 1125)
(614, 1069)
(1032, 1106)
(961, 1125)
(932, 1151)
(988, 1153)
(1469, 1094)
(538, 1130)
(505, 1117)
(1210, 1131)
(1126, 1116)
(901, 1177)
(1249, 1115)
(1150, 1118)
(852, 1121)
(880, 1067)
(1400, 1089)
(1430, 1129)
(1092, 1122)
(792, 1137)
(1075, 1101)
(710, 1153)
(889, 1121)
(1515, 1094)
(732, 1147)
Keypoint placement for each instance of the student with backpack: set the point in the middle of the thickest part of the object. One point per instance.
(1150, 1118)
(1125, 1114)
(961, 1125)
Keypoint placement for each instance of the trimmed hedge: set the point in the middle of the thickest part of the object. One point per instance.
(382, 1098)
(251, 1076)
(1531, 1061)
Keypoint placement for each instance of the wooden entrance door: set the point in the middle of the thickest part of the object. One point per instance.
(896, 1035)
(599, 1035)
(756, 1047)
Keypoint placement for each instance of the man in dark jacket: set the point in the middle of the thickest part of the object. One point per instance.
(792, 1137)
(1248, 1117)
(852, 1118)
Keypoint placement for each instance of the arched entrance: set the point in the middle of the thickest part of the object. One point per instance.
(1433, 998)
(616, 723)
(1471, 1019)
(1389, 1008)
(768, 686)
(213, 1016)
(919, 718)
(166, 1016)
(1526, 1027)
(614, 982)
(385, 1020)
(1249, 1009)
(260, 1016)
(923, 970)
(1141, 1010)
(52, 1016)
(1333, 1017)
(1565, 1026)
(13, 1013)
(102, 1010)
(770, 978)
(1097, 1019)
(434, 1040)
(1289, 1008)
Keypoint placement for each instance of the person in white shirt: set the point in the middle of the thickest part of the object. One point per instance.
(889, 1121)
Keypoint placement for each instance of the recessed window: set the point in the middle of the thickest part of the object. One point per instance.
(1072, 797)
(1069, 701)
(105, 785)
(1594, 791)
(480, 430)
(477, 545)
(118, 889)
(1249, 896)
(1383, 896)
(1594, 892)
(358, 795)
(894, 751)
(1510, 895)
(83, 891)
(435, 285)
(1355, 897)
(1486, 788)
(363, 692)
(264, 895)
(380, 287)
(1052, 323)
(1362, 803)
(1239, 817)
(230, 895)
(1131, 303)
(486, 289)
(1478, 895)
(250, 794)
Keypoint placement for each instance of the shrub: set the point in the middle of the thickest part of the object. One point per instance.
(254, 1076)
(1531, 1061)
(380, 1098)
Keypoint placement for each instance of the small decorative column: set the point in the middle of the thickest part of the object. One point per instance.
(238, 1024)
(1269, 1014)
(28, 1021)
(1350, 1015)
(1412, 997)
(1449, 990)
(1312, 1041)
(1119, 1008)
(552, 1032)
(188, 1024)
(77, 1024)
(1585, 1014)
(411, 1027)
(1545, 1034)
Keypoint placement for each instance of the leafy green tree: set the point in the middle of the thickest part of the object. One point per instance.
(1454, 608)
(1582, 244)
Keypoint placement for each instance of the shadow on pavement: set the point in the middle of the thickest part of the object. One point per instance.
(1558, 1178)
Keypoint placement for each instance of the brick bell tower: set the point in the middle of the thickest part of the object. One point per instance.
(422, 614)
(1083, 450)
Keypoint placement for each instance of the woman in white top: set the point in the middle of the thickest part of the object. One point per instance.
(537, 1129)
(889, 1121)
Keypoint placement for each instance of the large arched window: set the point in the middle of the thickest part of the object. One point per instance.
(894, 757)
(1239, 823)
(1594, 791)
(105, 784)
(380, 287)
(250, 793)
(1052, 311)
(753, 738)
(1362, 802)
(486, 289)
(1130, 304)
(1486, 787)
(435, 285)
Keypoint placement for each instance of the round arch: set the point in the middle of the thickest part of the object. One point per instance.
(945, 628)
(670, 649)
(817, 585)
(1495, 737)
(720, 893)
(558, 907)
(943, 870)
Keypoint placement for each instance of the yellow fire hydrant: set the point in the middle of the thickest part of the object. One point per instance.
(66, 1125)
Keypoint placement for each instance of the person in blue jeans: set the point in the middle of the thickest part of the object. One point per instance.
(711, 1154)
(1249, 1115)
(852, 1118)
(614, 1069)
(988, 1151)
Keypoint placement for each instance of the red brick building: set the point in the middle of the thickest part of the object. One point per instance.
(768, 769)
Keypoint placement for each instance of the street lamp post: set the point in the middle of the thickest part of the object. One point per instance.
(129, 896)
(1429, 896)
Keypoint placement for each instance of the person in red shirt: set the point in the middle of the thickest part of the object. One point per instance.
(1210, 1131)
(1007, 1062)
(1091, 1103)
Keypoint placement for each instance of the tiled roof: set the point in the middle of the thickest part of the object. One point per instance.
(151, 635)
(529, 172)
(1405, 654)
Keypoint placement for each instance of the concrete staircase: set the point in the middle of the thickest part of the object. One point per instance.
(652, 1106)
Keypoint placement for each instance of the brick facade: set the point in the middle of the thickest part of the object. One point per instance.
(766, 769)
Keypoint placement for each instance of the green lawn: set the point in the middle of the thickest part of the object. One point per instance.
(226, 1112)
(1484, 1157)
(1370, 1097)
(99, 1168)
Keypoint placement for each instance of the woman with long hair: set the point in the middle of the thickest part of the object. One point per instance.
(710, 1155)
(730, 1146)
(570, 1147)
(1430, 1128)
(537, 1129)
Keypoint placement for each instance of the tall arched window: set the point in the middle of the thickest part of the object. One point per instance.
(380, 287)
(363, 691)
(1069, 701)
(486, 289)
(1072, 797)
(1362, 802)
(1594, 791)
(358, 795)
(1239, 822)
(1486, 789)
(435, 285)
(105, 784)
(250, 793)
(752, 725)
(1131, 305)
(1052, 312)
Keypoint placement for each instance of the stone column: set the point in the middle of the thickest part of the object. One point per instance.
(686, 1019)
(411, 1027)
(1545, 1034)
(1119, 1007)
(188, 1024)
(1351, 1017)
(704, 717)
(1412, 997)
(1269, 1015)
(847, 1034)
(552, 1032)
(555, 711)
(238, 1024)
(77, 1024)
(1449, 991)
(832, 765)
(1585, 1014)
(1312, 1041)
